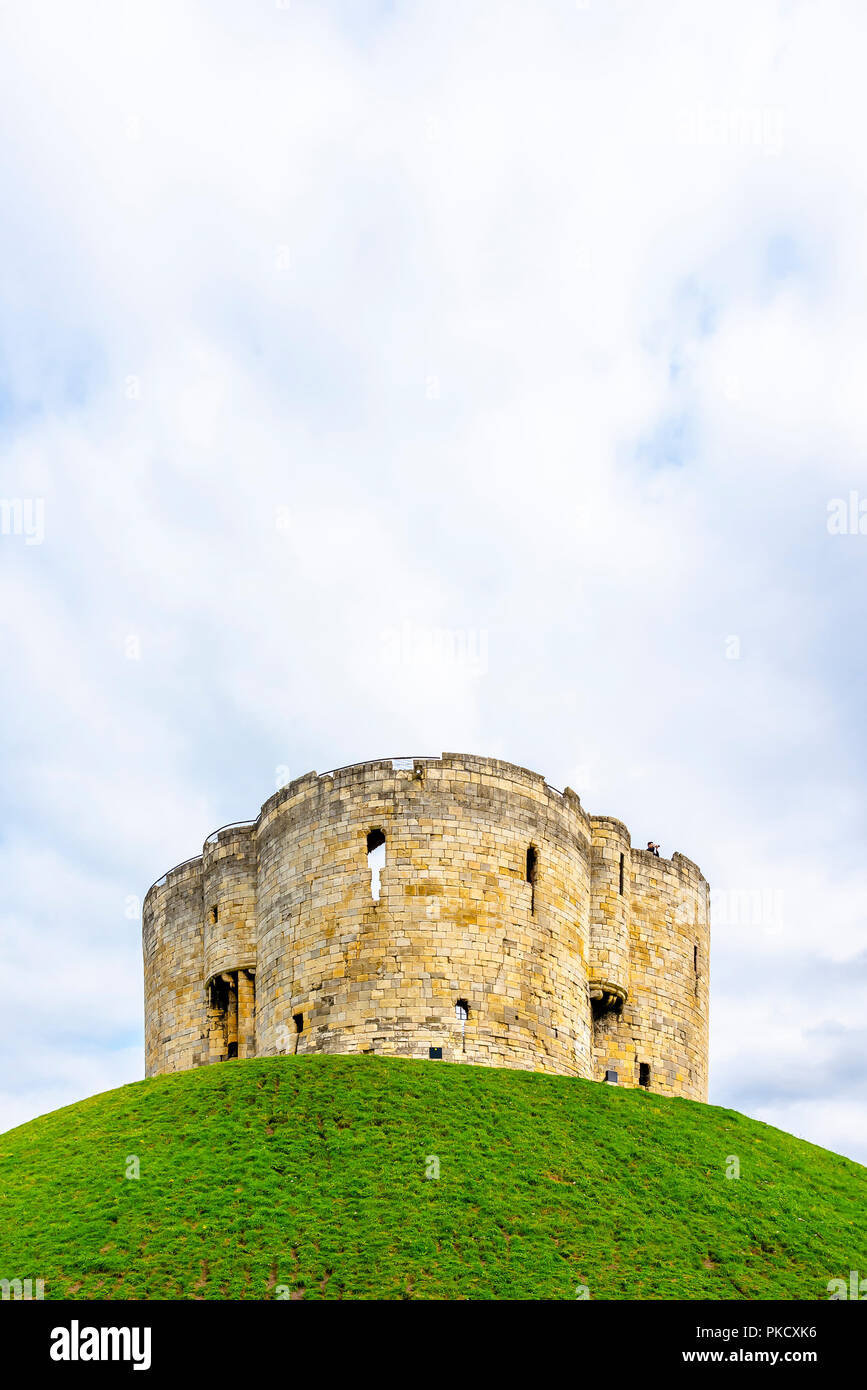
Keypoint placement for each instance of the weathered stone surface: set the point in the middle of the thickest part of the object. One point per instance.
(272, 941)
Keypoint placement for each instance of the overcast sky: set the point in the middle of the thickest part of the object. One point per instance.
(388, 378)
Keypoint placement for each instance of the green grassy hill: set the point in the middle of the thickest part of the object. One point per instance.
(305, 1177)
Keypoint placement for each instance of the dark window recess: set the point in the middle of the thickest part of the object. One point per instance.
(622, 857)
(375, 860)
(532, 869)
(214, 913)
(612, 1077)
(220, 993)
(233, 1050)
(298, 1020)
(644, 1074)
(695, 959)
(605, 1005)
(435, 1054)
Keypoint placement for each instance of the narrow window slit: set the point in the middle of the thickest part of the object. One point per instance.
(532, 867)
(622, 857)
(298, 1020)
(375, 860)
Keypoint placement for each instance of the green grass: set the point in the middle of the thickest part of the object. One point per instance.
(305, 1177)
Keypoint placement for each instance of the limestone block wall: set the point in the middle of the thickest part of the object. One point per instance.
(173, 946)
(456, 918)
(509, 929)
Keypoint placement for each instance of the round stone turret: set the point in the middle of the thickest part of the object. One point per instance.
(455, 907)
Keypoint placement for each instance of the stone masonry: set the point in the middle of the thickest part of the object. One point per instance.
(507, 927)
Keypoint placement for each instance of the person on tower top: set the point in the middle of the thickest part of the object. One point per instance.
(654, 849)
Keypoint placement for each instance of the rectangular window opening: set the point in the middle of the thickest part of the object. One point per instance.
(644, 1074)
(462, 1012)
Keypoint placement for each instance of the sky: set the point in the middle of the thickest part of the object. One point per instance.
(379, 379)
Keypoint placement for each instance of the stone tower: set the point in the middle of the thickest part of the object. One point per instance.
(454, 906)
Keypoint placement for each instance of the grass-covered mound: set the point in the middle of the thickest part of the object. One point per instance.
(307, 1177)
